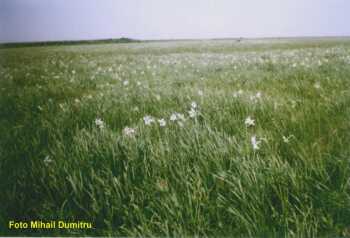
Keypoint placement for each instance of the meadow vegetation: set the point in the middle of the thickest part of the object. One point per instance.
(179, 138)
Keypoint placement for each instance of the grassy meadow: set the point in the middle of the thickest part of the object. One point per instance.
(178, 138)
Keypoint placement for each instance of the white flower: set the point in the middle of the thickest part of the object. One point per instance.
(148, 120)
(99, 123)
(285, 139)
(249, 122)
(126, 83)
(238, 93)
(317, 85)
(200, 93)
(192, 113)
(127, 131)
(47, 160)
(173, 117)
(258, 95)
(177, 116)
(255, 143)
(194, 105)
(162, 122)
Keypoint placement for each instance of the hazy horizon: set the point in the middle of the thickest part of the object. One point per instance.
(57, 20)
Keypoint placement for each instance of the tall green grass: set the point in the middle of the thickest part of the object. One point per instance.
(200, 178)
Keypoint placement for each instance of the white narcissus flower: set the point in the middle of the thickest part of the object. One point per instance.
(126, 83)
(162, 122)
(192, 113)
(238, 93)
(317, 85)
(194, 105)
(255, 143)
(173, 117)
(47, 160)
(258, 95)
(148, 120)
(285, 139)
(177, 116)
(99, 123)
(127, 131)
(249, 122)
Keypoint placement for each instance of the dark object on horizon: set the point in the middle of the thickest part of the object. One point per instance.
(57, 43)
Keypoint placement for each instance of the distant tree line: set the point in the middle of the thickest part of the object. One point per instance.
(73, 42)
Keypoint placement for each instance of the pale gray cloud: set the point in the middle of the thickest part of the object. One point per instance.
(40, 20)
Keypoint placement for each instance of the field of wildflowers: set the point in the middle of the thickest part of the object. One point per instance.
(207, 138)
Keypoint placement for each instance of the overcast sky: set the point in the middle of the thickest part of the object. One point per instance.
(42, 20)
